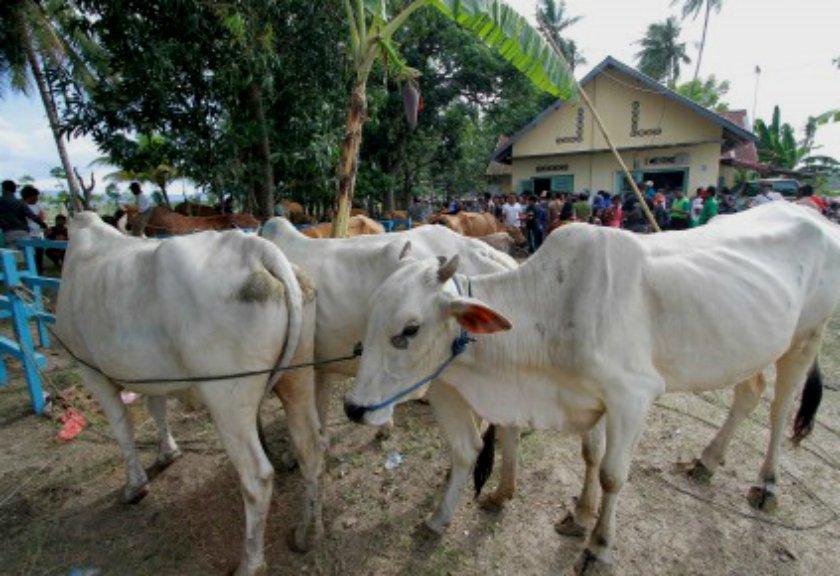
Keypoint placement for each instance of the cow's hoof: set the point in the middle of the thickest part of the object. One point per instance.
(699, 472)
(298, 540)
(434, 527)
(590, 564)
(570, 527)
(133, 494)
(763, 499)
(494, 502)
(166, 459)
(288, 460)
(259, 570)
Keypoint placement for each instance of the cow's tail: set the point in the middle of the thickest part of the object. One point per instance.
(484, 463)
(277, 265)
(808, 405)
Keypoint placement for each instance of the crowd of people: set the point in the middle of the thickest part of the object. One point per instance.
(538, 214)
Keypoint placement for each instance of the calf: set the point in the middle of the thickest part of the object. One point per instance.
(600, 322)
(204, 304)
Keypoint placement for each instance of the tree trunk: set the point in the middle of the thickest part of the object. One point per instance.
(165, 194)
(52, 117)
(703, 39)
(265, 190)
(349, 163)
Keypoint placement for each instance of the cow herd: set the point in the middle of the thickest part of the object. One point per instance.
(581, 338)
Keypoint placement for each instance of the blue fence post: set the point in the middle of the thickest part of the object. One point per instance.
(29, 256)
(21, 326)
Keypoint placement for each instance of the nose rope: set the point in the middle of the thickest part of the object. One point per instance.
(459, 346)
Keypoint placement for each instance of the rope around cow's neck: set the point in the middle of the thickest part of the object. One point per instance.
(357, 351)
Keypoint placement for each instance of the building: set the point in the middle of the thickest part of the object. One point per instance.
(662, 136)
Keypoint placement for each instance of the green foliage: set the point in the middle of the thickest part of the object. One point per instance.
(777, 144)
(471, 96)
(190, 78)
(707, 93)
(510, 35)
(662, 53)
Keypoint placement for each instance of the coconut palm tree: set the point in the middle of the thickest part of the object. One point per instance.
(371, 31)
(662, 53)
(692, 8)
(32, 39)
(146, 160)
(551, 15)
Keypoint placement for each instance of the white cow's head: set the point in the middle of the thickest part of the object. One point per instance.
(416, 315)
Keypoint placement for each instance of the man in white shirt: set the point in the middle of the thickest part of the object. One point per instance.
(144, 209)
(511, 211)
(696, 206)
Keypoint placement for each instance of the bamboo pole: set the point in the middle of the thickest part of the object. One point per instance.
(594, 112)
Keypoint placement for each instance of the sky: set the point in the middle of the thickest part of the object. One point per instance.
(793, 43)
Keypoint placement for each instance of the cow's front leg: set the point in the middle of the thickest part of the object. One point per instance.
(168, 450)
(625, 417)
(509, 440)
(455, 417)
(108, 394)
(297, 392)
(592, 449)
(233, 404)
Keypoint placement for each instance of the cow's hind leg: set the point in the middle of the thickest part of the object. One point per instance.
(233, 404)
(509, 440)
(168, 450)
(746, 397)
(297, 392)
(791, 371)
(108, 394)
(456, 420)
(592, 449)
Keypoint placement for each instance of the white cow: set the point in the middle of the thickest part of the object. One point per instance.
(600, 322)
(347, 272)
(204, 304)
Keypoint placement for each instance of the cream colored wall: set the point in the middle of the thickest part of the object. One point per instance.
(729, 173)
(612, 94)
(597, 171)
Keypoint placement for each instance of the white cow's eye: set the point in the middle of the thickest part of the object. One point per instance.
(401, 340)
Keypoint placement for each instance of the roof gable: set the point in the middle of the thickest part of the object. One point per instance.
(734, 130)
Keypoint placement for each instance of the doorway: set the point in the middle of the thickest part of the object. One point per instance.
(542, 185)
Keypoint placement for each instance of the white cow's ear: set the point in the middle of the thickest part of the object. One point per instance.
(476, 317)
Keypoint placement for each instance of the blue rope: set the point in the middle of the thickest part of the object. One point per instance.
(459, 346)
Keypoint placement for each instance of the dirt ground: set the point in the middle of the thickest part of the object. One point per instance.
(59, 506)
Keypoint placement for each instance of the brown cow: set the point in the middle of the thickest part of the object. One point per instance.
(166, 222)
(358, 226)
(472, 224)
(195, 209)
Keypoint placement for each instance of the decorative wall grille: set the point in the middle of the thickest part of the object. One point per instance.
(578, 137)
(635, 131)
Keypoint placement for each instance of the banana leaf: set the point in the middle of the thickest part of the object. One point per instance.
(511, 36)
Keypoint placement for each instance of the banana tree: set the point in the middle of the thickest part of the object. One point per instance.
(371, 30)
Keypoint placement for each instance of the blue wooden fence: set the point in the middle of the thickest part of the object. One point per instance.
(22, 311)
